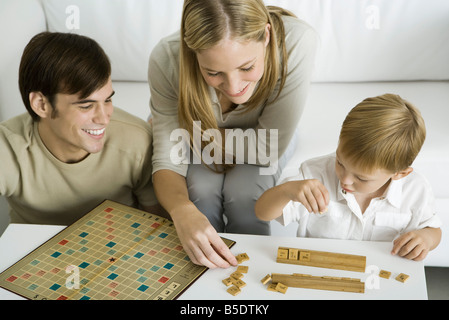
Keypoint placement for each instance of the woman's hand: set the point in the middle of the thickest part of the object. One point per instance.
(200, 240)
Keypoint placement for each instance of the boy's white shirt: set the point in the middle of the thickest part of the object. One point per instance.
(407, 204)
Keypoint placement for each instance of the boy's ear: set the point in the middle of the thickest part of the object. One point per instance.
(40, 104)
(402, 174)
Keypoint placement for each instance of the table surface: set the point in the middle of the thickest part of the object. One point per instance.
(19, 239)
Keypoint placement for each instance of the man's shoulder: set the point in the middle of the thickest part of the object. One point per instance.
(128, 131)
(18, 128)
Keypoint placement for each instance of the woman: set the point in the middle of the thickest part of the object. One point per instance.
(236, 64)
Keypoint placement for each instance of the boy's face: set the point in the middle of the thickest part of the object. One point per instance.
(357, 182)
(79, 126)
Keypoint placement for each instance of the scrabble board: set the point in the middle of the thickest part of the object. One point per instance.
(113, 252)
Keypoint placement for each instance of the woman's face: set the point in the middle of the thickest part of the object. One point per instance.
(233, 68)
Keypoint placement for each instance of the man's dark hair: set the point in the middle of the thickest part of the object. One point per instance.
(54, 62)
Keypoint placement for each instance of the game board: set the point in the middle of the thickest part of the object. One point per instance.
(113, 252)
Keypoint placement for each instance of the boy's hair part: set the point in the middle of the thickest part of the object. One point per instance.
(54, 62)
(383, 132)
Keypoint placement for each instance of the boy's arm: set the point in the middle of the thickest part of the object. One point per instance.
(415, 245)
(311, 193)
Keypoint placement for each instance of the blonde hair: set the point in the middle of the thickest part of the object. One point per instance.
(384, 132)
(205, 24)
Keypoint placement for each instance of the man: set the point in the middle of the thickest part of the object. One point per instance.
(72, 150)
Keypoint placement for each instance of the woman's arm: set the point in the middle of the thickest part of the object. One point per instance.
(199, 239)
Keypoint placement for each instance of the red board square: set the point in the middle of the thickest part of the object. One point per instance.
(26, 275)
(152, 252)
(165, 250)
(108, 209)
(63, 242)
(11, 278)
(155, 225)
(163, 279)
(62, 298)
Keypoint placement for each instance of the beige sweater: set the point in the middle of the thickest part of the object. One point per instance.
(41, 189)
(283, 114)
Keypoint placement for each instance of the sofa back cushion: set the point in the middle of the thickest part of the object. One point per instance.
(376, 40)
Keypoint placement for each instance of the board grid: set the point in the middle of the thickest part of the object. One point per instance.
(113, 252)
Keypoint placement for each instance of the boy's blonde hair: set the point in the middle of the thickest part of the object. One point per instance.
(384, 132)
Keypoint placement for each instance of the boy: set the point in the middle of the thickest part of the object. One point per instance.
(366, 190)
(72, 150)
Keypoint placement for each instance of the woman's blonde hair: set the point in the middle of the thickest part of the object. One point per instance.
(384, 132)
(205, 24)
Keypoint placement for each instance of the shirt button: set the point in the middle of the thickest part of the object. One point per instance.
(344, 191)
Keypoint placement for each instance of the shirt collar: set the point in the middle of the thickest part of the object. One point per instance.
(393, 194)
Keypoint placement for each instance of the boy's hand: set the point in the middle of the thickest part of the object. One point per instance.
(414, 245)
(311, 193)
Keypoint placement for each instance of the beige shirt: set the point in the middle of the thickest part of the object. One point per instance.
(41, 189)
(283, 114)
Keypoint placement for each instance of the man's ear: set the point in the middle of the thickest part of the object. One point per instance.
(40, 104)
(402, 174)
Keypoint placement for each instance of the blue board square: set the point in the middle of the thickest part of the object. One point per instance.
(55, 287)
(56, 254)
(135, 225)
(142, 288)
(82, 235)
(163, 235)
(83, 265)
(168, 266)
(138, 255)
(112, 276)
(110, 244)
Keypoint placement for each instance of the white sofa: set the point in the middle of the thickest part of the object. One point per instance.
(367, 48)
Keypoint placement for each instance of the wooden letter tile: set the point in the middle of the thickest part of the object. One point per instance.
(234, 290)
(304, 256)
(242, 269)
(282, 288)
(402, 277)
(293, 254)
(266, 279)
(227, 282)
(384, 274)
(283, 253)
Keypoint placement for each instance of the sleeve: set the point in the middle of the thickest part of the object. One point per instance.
(9, 171)
(285, 112)
(293, 211)
(143, 188)
(163, 80)
(424, 209)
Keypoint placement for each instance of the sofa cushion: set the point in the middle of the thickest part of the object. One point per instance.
(126, 29)
(380, 40)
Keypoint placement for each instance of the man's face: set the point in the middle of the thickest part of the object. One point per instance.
(79, 126)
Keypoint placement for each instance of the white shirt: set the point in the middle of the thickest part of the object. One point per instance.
(407, 204)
